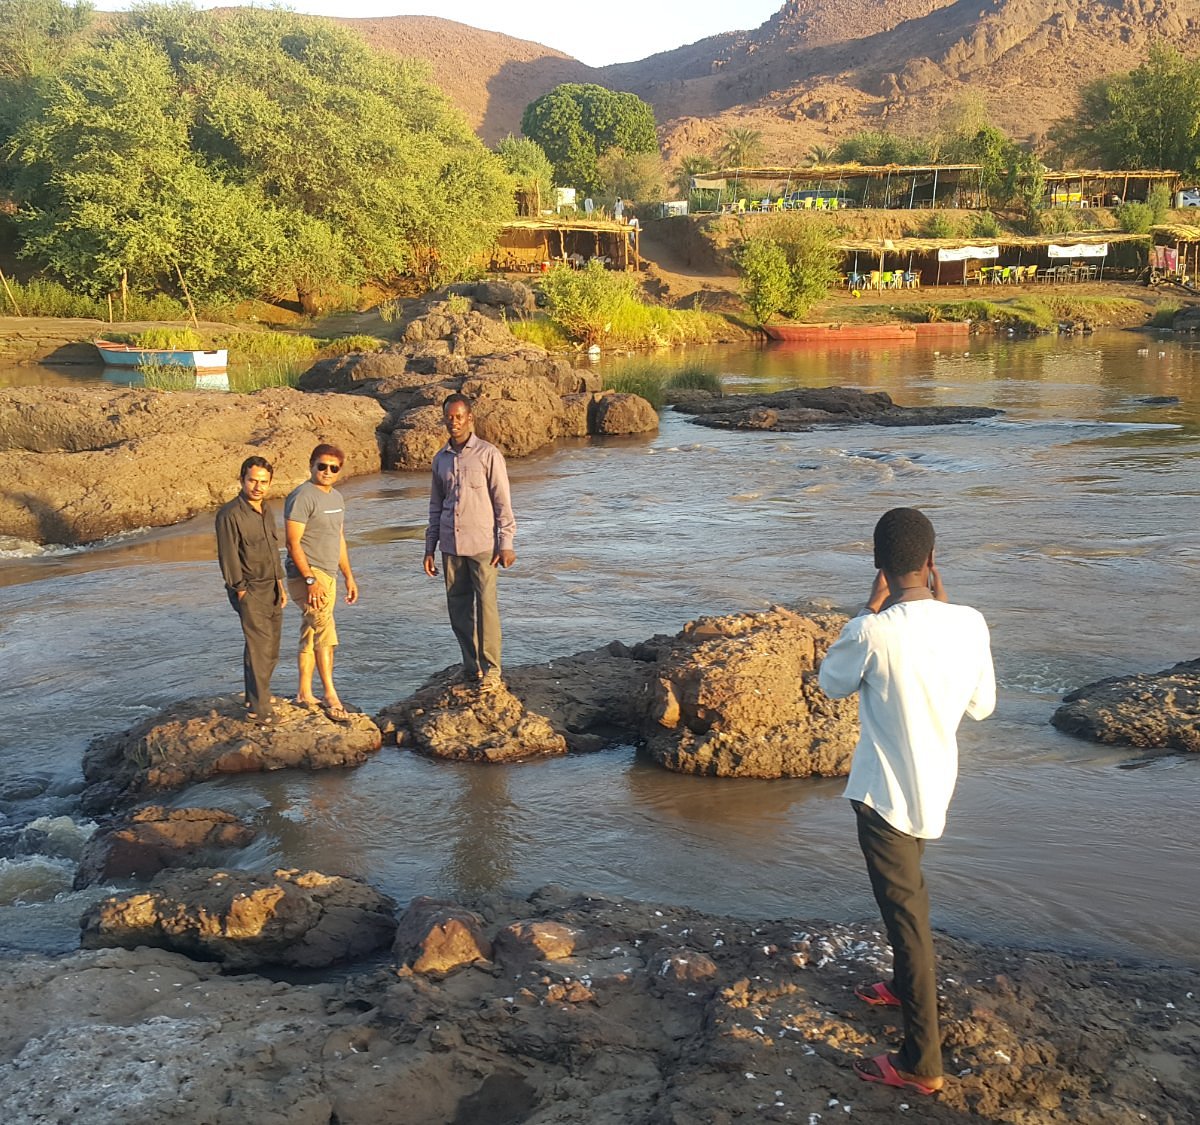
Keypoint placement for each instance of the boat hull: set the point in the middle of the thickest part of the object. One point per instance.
(126, 355)
(860, 333)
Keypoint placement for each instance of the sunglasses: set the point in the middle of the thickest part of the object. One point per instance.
(327, 467)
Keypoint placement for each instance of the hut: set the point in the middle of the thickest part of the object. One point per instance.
(1105, 188)
(1175, 253)
(532, 245)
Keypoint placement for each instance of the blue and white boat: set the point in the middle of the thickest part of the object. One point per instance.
(130, 355)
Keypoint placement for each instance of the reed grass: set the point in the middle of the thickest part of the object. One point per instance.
(1164, 315)
(654, 381)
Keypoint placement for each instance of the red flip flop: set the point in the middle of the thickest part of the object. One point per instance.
(878, 995)
(888, 1075)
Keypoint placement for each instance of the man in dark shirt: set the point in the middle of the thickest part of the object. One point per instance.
(248, 551)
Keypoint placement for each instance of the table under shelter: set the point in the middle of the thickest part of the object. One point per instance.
(1105, 188)
(831, 187)
(532, 245)
(910, 263)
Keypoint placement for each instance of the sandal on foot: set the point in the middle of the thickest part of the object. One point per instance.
(306, 704)
(886, 1074)
(260, 720)
(337, 713)
(878, 995)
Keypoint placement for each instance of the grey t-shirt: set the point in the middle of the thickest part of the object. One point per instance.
(321, 513)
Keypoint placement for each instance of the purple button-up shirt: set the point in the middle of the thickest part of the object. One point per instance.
(470, 512)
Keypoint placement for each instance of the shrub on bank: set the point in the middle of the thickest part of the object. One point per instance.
(654, 381)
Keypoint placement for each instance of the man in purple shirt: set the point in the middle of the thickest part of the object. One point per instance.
(471, 517)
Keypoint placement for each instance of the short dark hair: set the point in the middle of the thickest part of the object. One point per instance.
(903, 540)
(325, 450)
(255, 463)
(450, 400)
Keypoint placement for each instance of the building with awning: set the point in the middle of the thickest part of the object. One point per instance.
(1175, 251)
(960, 261)
(1105, 187)
(525, 244)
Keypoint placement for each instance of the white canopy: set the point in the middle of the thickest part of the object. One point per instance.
(1079, 250)
(964, 253)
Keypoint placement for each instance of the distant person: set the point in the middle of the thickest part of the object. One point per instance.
(471, 519)
(619, 210)
(248, 553)
(588, 206)
(918, 664)
(314, 515)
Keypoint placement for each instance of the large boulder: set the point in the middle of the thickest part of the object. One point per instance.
(153, 838)
(737, 696)
(466, 723)
(200, 738)
(76, 460)
(246, 920)
(436, 937)
(1151, 711)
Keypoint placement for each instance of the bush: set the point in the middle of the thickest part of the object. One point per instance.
(766, 278)
(940, 226)
(542, 331)
(1134, 218)
(984, 225)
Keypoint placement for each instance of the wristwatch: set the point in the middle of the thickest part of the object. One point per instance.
(310, 580)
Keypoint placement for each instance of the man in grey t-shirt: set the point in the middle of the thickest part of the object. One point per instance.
(314, 514)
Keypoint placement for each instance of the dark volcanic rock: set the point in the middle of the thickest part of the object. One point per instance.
(438, 937)
(198, 738)
(806, 408)
(1151, 711)
(154, 838)
(246, 920)
(464, 723)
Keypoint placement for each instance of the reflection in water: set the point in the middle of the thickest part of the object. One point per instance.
(481, 856)
(1070, 522)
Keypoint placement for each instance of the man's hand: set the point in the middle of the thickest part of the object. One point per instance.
(880, 591)
(430, 565)
(351, 590)
(504, 557)
(316, 596)
(283, 599)
(241, 594)
(935, 584)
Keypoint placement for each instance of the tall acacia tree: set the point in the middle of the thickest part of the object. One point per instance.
(578, 123)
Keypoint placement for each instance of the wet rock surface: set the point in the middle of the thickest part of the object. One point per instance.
(808, 408)
(153, 838)
(658, 1014)
(467, 723)
(76, 459)
(436, 937)
(247, 920)
(1149, 711)
(200, 738)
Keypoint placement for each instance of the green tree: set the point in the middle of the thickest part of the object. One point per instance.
(530, 169)
(766, 277)
(874, 148)
(631, 175)
(1148, 118)
(694, 165)
(807, 251)
(742, 147)
(577, 123)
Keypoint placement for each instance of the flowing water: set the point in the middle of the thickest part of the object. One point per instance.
(1070, 522)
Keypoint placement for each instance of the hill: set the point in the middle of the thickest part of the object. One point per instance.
(819, 69)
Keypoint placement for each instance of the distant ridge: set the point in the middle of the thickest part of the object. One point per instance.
(818, 70)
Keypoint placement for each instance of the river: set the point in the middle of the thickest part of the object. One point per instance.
(1070, 522)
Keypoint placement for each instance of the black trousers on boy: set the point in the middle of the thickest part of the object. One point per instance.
(894, 866)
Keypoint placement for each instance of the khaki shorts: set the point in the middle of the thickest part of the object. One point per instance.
(316, 623)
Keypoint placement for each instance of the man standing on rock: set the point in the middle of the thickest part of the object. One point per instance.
(470, 516)
(248, 551)
(314, 515)
(919, 664)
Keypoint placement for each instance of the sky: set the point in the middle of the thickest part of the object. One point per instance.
(605, 32)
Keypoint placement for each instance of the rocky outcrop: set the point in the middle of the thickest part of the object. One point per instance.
(732, 696)
(463, 723)
(436, 937)
(1150, 711)
(153, 838)
(200, 738)
(737, 696)
(808, 408)
(458, 340)
(82, 463)
(246, 920)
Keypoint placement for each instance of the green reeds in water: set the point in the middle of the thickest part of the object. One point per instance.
(656, 382)
(167, 376)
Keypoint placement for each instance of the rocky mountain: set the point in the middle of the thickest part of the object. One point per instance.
(820, 69)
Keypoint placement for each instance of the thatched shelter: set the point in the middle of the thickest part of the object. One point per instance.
(1105, 187)
(525, 244)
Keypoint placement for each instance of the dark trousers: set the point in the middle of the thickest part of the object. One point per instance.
(894, 866)
(261, 615)
(474, 615)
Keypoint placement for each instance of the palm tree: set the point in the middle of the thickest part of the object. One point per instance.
(688, 167)
(820, 154)
(742, 147)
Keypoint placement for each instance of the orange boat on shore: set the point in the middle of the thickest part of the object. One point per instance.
(834, 333)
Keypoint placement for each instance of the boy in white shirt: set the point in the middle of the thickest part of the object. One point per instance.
(919, 664)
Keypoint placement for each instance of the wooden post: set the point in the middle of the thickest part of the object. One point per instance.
(183, 285)
(110, 320)
(9, 291)
(125, 295)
